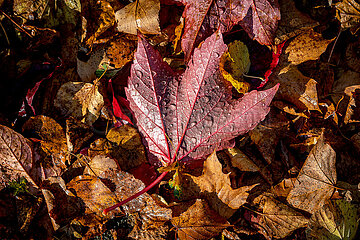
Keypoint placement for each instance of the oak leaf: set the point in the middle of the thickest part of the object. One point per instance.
(188, 118)
(317, 177)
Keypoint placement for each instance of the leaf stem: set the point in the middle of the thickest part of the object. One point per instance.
(136, 195)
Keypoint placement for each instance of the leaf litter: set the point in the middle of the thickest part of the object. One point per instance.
(185, 152)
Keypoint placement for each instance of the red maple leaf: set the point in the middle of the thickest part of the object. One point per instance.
(184, 117)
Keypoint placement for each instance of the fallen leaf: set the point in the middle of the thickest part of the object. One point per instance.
(124, 185)
(348, 14)
(307, 46)
(334, 221)
(292, 22)
(77, 134)
(142, 15)
(241, 161)
(351, 55)
(214, 185)
(296, 88)
(234, 63)
(315, 182)
(81, 100)
(129, 150)
(94, 193)
(258, 18)
(53, 140)
(187, 119)
(199, 221)
(347, 79)
(16, 158)
(121, 51)
(278, 219)
(353, 109)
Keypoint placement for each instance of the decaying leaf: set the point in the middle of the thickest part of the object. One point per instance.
(307, 46)
(278, 219)
(214, 185)
(81, 100)
(77, 134)
(142, 15)
(199, 221)
(234, 63)
(315, 182)
(16, 158)
(241, 161)
(187, 119)
(336, 220)
(121, 51)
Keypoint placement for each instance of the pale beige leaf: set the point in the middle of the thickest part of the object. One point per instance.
(16, 158)
(142, 15)
(80, 100)
(315, 182)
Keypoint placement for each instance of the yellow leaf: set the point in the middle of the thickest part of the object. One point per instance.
(234, 63)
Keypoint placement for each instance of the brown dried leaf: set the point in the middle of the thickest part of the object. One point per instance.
(353, 109)
(292, 22)
(77, 134)
(199, 222)
(296, 88)
(142, 15)
(315, 182)
(94, 193)
(53, 141)
(121, 51)
(81, 100)
(130, 151)
(16, 158)
(215, 186)
(278, 219)
(241, 161)
(125, 185)
(307, 46)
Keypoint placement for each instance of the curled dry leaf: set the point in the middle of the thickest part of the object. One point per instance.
(80, 100)
(315, 182)
(199, 221)
(278, 219)
(16, 158)
(335, 220)
(215, 186)
(142, 15)
(307, 46)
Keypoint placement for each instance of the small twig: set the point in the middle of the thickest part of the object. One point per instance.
(6, 36)
(332, 49)
(17, 25)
